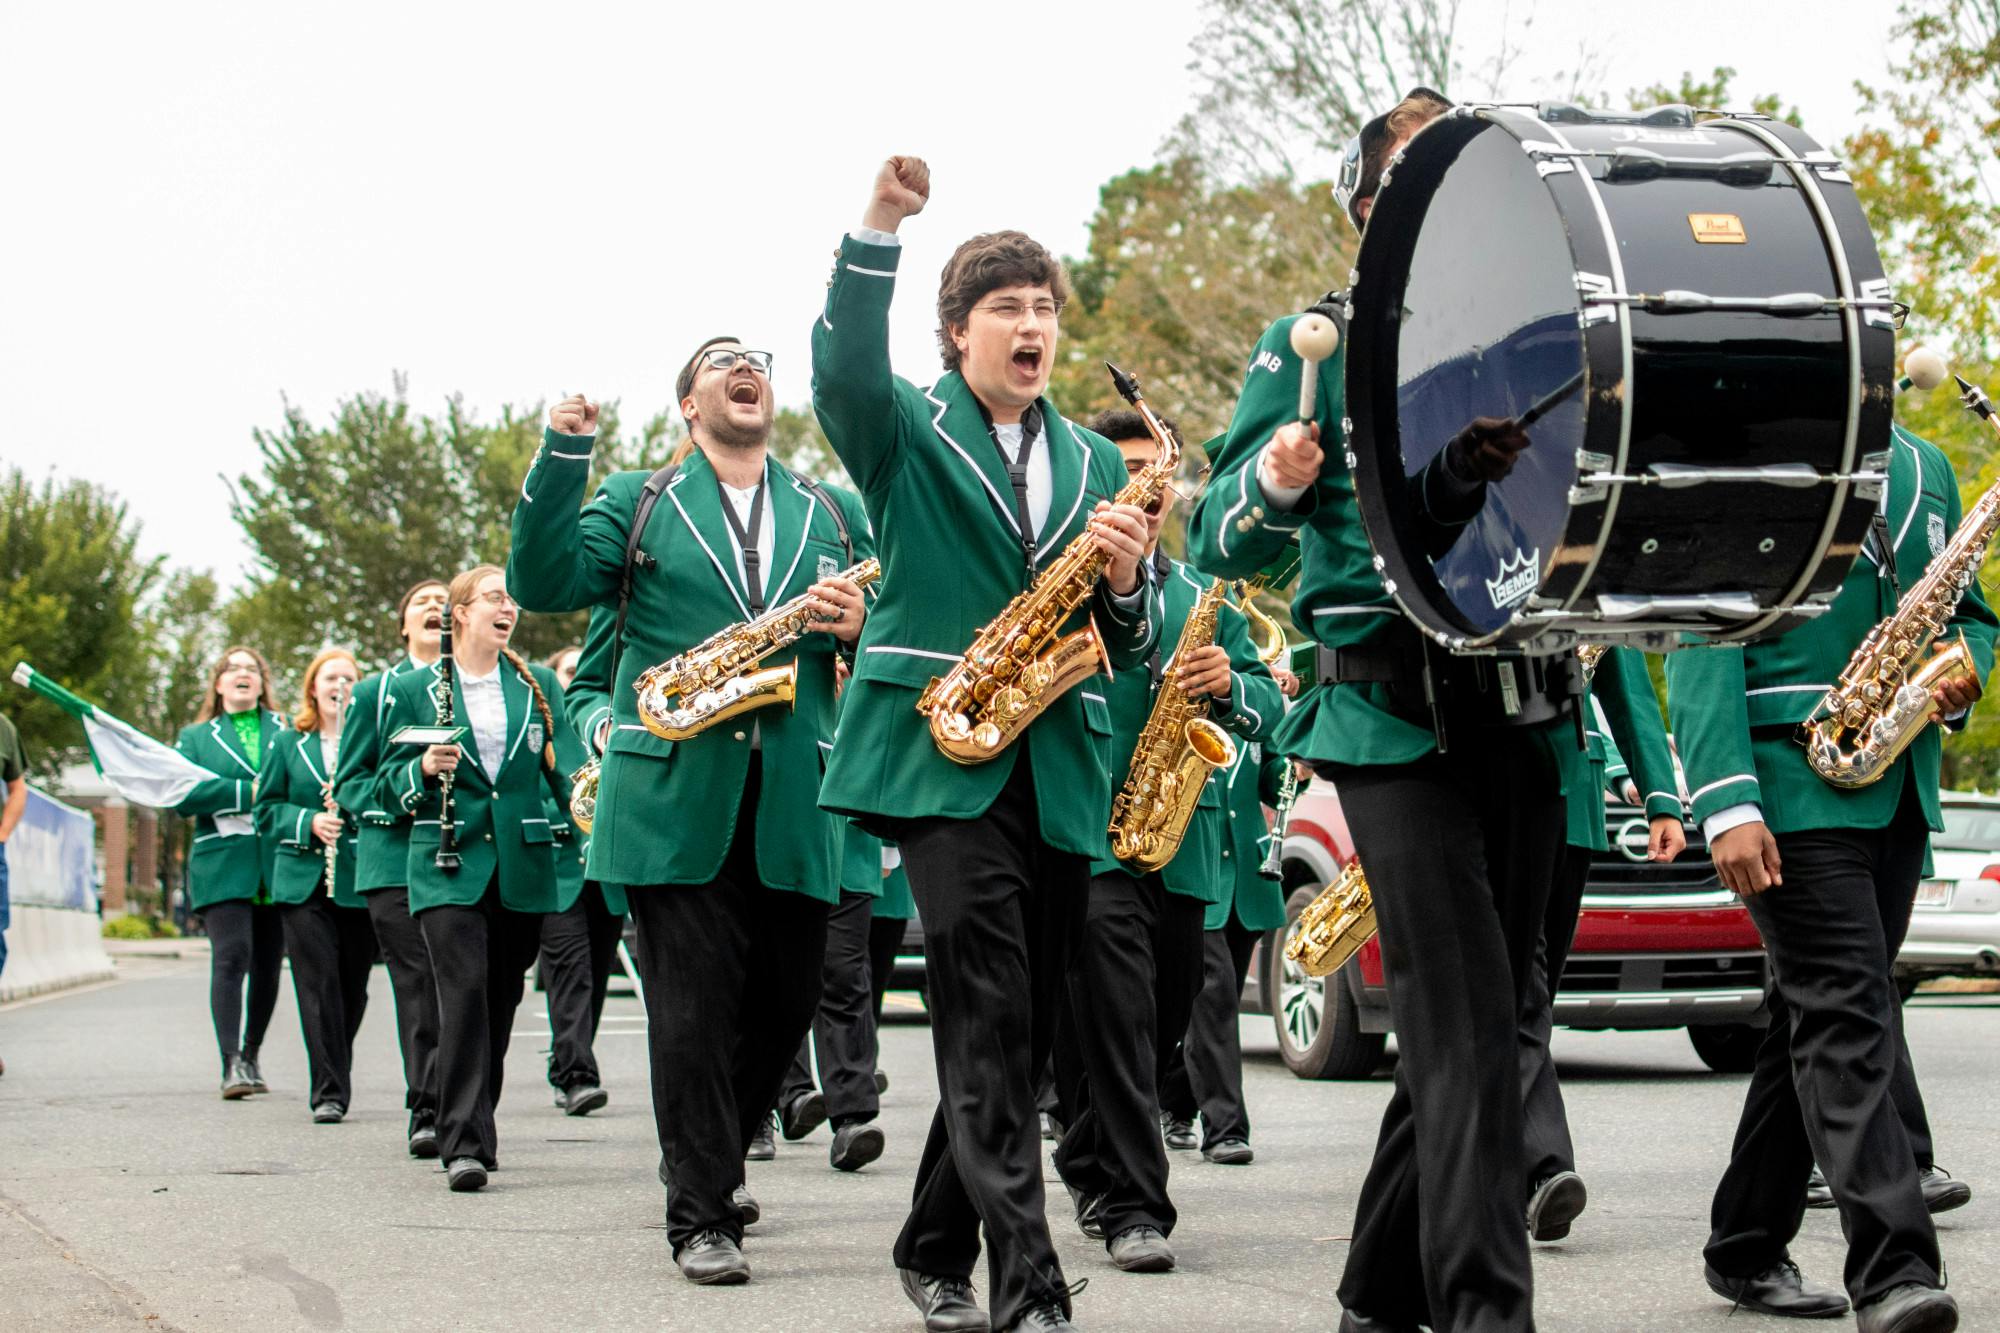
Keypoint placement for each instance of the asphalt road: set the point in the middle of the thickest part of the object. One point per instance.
(131, 1196)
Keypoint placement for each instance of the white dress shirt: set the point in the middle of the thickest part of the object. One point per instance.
(486, 715)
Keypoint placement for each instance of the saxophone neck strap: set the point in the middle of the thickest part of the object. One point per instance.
(1886, 549)
(1017, 474)
(746, 535)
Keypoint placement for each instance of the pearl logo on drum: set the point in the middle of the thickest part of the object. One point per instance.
(1516, 579)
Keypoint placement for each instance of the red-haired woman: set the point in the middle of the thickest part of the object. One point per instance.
(327, 932)
(482, 917)
(238, 718)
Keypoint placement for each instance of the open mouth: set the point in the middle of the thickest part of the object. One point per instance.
(744, 391)
(1028, 360)
(504, 624)
(434, 621)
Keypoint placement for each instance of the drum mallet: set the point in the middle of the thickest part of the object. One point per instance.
(1922, 369)
(1314, 339)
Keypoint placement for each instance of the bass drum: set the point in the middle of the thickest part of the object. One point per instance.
(1696, 309)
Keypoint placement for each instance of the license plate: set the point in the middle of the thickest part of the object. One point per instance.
(1934, 893)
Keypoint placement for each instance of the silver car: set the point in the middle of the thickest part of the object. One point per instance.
(1955, 927)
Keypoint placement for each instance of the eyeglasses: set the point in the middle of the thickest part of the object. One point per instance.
(496, 599)
(241, 669)
(1047, 311)
(722, 359)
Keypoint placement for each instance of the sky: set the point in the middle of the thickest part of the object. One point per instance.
(218, 208)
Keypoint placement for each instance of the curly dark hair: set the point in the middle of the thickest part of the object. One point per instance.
(987, 263)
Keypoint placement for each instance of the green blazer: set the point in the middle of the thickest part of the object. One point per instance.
(1621, 696)
(1256, 899)
(225, 862)
(1735, 710)
(1341, 601)
(943, 509)
(563, 560)
(587, 700)
(505, 826)
(383, 855)
(1255, 703)
(291, 789)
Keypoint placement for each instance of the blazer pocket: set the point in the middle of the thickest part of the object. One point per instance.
(537, 832)
(1096, 710)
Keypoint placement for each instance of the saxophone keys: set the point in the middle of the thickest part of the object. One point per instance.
(986, 736)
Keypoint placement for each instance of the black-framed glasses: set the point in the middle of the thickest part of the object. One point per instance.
(721, 358)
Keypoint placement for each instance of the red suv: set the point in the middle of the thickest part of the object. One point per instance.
(1657, 946)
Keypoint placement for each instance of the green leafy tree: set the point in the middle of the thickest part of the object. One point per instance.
(71, 583)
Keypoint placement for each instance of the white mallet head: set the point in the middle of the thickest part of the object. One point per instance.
(1315, 337)
(1924, 369)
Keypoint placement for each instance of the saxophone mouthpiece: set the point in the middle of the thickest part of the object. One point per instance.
(1128, 388)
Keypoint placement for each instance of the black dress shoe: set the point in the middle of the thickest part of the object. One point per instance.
(802, 1115)
(745, 1205)
(465, 1174)
(1818, 1193)
(1041, 1319)
(1141, 1249)
(1229, 1152)
(1087, 1220)
(424, 1141)
(1178, 1133)
(763, 1147)
(1052, 1129)
(713, 1260)
(1351, 1322)
(1941, 1192)
(855, 1146)
(236, 1083)
(255, 1075)
(1557, 1201)
(1781, 1290)
(881, 1083)
(946, 1303)
(328, 1113)
(584, 1099)
(1910, 1308)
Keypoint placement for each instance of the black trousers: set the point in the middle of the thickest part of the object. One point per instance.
(578, 947)
(885, 937)
(1001, 913)
(1822, 1088)
(409, 962)
(1460, 848)
(245, 940)
(480, 956)
(843, 1031)
(1545, 1124)
(1205, 1075)
(1131, 989)
(332, 950)
(731, 971)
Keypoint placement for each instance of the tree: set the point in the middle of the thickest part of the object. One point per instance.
(71, 581)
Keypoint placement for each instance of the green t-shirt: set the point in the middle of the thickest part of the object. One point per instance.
(13, 764)
(249, 726)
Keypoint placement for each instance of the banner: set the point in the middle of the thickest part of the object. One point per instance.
(51, 858)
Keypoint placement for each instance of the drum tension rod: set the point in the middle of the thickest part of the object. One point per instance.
(1790, 305)
(1678, 476)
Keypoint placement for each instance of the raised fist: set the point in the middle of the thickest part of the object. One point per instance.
(902, 188)
(1292, 458)
(574, 415)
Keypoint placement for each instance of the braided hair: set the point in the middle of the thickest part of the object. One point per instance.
(541, 706)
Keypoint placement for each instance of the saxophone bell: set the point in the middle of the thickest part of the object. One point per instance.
(583, 795)
(1334, 925)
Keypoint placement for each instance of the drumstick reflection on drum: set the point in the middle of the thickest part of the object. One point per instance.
(1314, 339)
(1548, 402)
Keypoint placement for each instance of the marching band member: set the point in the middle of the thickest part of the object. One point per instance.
(1622, 693)
(482, 918)
(1829, 875)
(327, 932)
(974, 485)
(382, 860)
(1459, 843)
(580, 941)
(731, 909)
(227, 874)
(1138, 965)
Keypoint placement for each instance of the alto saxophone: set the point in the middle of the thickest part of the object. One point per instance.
(718, 679)
(1334, 925)
(583, 795)
(1021, 662)
(1882, 701)
(1177, 750)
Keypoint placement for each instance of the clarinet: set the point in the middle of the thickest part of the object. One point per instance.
(447, 852)
(333, 848)
(1288, 795)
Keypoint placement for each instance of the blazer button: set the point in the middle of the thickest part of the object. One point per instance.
(489, 837)
(739, 736)
(495, 795)
(1225, 853)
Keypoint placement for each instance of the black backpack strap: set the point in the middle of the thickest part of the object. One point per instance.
(635, 559)
(839, 518)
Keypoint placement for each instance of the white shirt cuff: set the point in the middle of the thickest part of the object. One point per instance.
(1276, 496)
(870, 236)
(1729, 817)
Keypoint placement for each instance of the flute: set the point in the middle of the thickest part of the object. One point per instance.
(447, 852)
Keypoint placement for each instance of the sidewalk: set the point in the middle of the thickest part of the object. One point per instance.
(191, 947)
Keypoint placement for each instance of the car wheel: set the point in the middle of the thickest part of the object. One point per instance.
(1318, 1024)
(1727, 1048)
